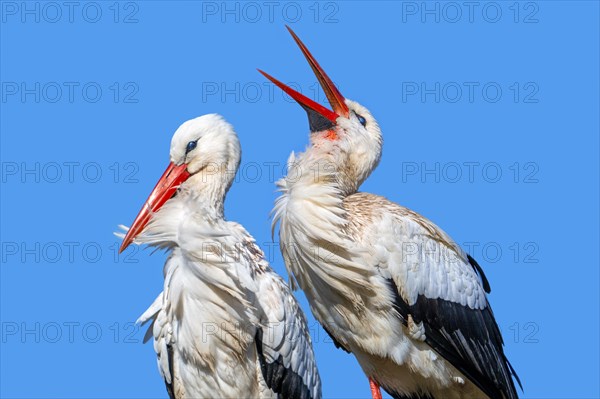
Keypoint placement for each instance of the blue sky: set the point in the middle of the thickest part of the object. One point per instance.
(490, 117)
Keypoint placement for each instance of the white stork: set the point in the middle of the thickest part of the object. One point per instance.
(387, 284)
(225, 324)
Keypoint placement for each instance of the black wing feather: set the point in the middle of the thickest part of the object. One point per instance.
(282, 380)
(169, 386)
(479, 271)
(467, 338)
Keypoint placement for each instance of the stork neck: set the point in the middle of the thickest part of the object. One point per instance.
(314, 168)
(208, 190)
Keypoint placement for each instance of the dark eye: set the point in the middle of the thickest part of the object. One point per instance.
(190, 146)
(362, 120)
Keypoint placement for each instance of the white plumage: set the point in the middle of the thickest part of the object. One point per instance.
(387, 284)
(225, 324)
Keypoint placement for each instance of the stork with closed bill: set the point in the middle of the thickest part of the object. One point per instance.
(225, 325)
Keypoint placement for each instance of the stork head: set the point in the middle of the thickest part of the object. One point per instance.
(207, 144)
(347, 135)
(205, 154)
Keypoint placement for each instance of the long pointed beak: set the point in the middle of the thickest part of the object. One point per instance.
(163, 191)
(334, 96)
(320, 118)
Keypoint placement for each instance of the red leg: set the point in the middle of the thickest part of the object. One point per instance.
(375, 391)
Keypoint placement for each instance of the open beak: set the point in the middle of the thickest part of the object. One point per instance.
(319, 117)
(162, 192)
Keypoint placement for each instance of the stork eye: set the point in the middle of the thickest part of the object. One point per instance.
(362, 120)
(190, 146)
